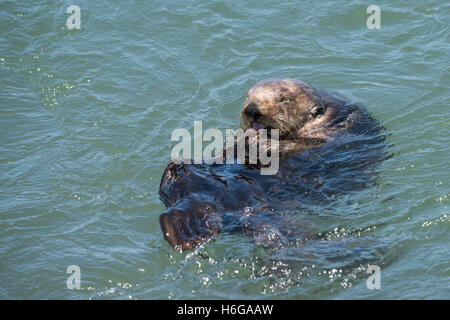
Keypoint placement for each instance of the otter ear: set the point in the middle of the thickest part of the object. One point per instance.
(283, 95)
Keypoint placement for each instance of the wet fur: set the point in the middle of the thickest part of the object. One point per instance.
(202, 199)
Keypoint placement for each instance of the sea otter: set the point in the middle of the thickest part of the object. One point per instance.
(327, 146)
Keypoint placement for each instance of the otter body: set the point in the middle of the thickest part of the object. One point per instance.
(327, 146)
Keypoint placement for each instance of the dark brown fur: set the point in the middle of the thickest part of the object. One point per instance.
(199, 196)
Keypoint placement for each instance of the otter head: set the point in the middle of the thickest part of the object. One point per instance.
(287, 105)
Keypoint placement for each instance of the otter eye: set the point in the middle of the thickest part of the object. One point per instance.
(319, 112)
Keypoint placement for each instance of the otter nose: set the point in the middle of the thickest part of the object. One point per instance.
(252, 110)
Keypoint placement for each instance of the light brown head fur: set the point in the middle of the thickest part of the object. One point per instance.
(291, 106)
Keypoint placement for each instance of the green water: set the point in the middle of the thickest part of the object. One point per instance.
(85, 123)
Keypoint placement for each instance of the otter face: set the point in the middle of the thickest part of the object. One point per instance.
(286, 105)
